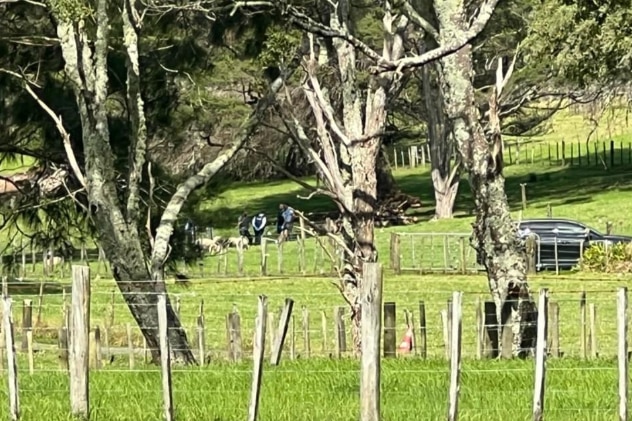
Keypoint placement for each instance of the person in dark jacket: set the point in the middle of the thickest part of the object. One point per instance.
(243, 224)
(259, 223)
(280, 221)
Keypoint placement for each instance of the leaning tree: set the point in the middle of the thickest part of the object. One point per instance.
(110, 193)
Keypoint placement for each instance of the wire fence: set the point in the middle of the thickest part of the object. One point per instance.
(310, 355)
(584, 324)
(602, 154)
(307, 255)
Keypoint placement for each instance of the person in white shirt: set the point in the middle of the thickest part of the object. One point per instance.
(288, 222)
(259, 223)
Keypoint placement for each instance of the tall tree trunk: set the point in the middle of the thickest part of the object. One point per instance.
(363, 164)
(349, 158)
(495, 233)
(123, 249)
(446, 187)
(445, 178)
(86, 67)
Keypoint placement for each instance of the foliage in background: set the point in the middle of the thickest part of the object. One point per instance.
(583, 42)
(615, 258)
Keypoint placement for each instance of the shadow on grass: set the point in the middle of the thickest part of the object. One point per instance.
(30, 287)
(555, 185)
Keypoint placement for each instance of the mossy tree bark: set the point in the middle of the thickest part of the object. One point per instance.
(116, 214)
(495, 233)
(445, 175)
(347, 139)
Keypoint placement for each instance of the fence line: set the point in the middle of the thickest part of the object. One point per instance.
(223, 334)
(601, 154)
(428, 252)
(305, 256)
(88, 353)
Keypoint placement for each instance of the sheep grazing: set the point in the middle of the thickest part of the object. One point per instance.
(218, 244)
(52, 263)
(212, 245)
(238, 242)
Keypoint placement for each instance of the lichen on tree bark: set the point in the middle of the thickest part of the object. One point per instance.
(495, 233)
(117, 220)
(349, 144)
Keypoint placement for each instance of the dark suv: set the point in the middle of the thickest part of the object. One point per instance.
(572, 238)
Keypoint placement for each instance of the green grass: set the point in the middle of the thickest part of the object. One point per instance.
(322, 388)
(591, 195)
(320, 298)
(328, 390)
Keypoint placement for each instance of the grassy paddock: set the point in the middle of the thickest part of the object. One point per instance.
(320, 298)
(325, 389)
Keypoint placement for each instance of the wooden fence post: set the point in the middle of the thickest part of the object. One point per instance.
(395, 253)
(480, 328)
(201, 335)
(27, 322)
(40, 302)
(240, 259)
(592, 316)
(371, 302)
(301, 247)
(79, 342)
(233, 326)
(280, 255)
(390, 332)
(258, 356)
(455, 355)
(582, 324)
(463, 255)
(422, 343)
(130, 345)
(62, 340)
(165, 357)
(323, 325)
(622, 346)
(554, 329)
(340, 332)
(446, 333)
(284, 322)
(306, 333)
(12, 372)
(540, 356)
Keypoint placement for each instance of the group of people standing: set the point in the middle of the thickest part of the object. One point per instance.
(259, 222)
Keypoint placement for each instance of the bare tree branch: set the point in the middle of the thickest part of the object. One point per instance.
(65, 136)
(317, 93)
(135, 106)
(297, 132)
(250, 126)
(416, 18)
